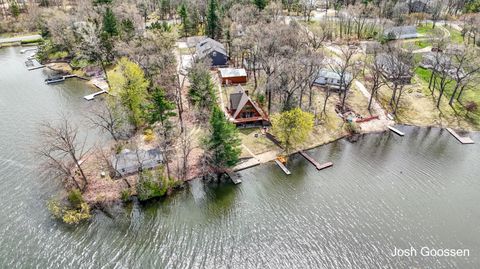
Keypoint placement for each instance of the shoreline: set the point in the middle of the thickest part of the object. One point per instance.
(344, 137)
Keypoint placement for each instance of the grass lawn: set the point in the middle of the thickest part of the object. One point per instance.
(455, 35)
(257, 145)
(423, 44)
(418, 105)
(424, 28)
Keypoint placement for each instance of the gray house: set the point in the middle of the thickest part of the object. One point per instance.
(401, 32)
(130, 162)
(213, 50)
(331, 79)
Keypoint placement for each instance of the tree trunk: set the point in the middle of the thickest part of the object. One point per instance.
(457, 85)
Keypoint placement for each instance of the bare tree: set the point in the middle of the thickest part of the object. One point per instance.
(185, 144)
(111, 118)
(345, 69)
(465, 65)
(375, 77)
(396, 66)
(63, 152)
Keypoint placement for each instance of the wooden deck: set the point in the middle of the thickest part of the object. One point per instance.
(284, 168)
(92, 96)
(234, 177)
(314, 162)
(395, 130)
(462, 139)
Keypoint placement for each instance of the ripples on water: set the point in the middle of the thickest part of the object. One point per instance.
(383, 191)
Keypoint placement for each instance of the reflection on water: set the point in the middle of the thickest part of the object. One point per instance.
(383, 192)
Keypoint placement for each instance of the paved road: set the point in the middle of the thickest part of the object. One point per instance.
(19, 38)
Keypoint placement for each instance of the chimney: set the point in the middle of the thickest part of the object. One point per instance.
(246, 92)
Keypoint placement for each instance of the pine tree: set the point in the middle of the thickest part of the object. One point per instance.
(212, 19)
(183, 12)
(222, 144)
(161, 110)
(110, 23)
(261, 4)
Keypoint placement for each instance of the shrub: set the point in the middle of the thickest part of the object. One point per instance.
(58, 55)
(471, 107)
(125, 195)
(31, 41)
(149, 135)
(154, 183)
(79, 63)
(75, 198)
(67, 213)
(352, 128)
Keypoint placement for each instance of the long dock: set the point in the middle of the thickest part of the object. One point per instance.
(462, 139)
(234, 177)
(92, 96)
(62, 78)
(314, 162)
(395, 130)
(284, 168)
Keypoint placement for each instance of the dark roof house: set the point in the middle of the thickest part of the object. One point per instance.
(401, 32)
(419, 6)
(130, 162)
(212, 49)
(243, 111)
(331, 79)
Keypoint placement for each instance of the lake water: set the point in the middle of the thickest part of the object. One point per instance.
(384, 191)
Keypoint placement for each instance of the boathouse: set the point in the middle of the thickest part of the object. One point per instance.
(244, 112)
(232, 75)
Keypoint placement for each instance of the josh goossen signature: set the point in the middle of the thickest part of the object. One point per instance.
(430, 252)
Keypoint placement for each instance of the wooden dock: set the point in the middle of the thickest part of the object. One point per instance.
(314, 162)
(234, 177)
(395, 130)
(62, 78)
(284, 168)
(27, 50)
(462, 139)
(92, 96)
(35, 67)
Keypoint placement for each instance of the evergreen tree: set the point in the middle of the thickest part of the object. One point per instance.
(212, 19)
(202, 89)
(222, 144)
(261, 4)
(183, 12)
(14, 9)
(101, 2)
(161, 110)
(110, 23)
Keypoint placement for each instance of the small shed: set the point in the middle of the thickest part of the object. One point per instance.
(130, 162)
(232, 75)
(370, 47)
(401, 32)
(331, 79)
